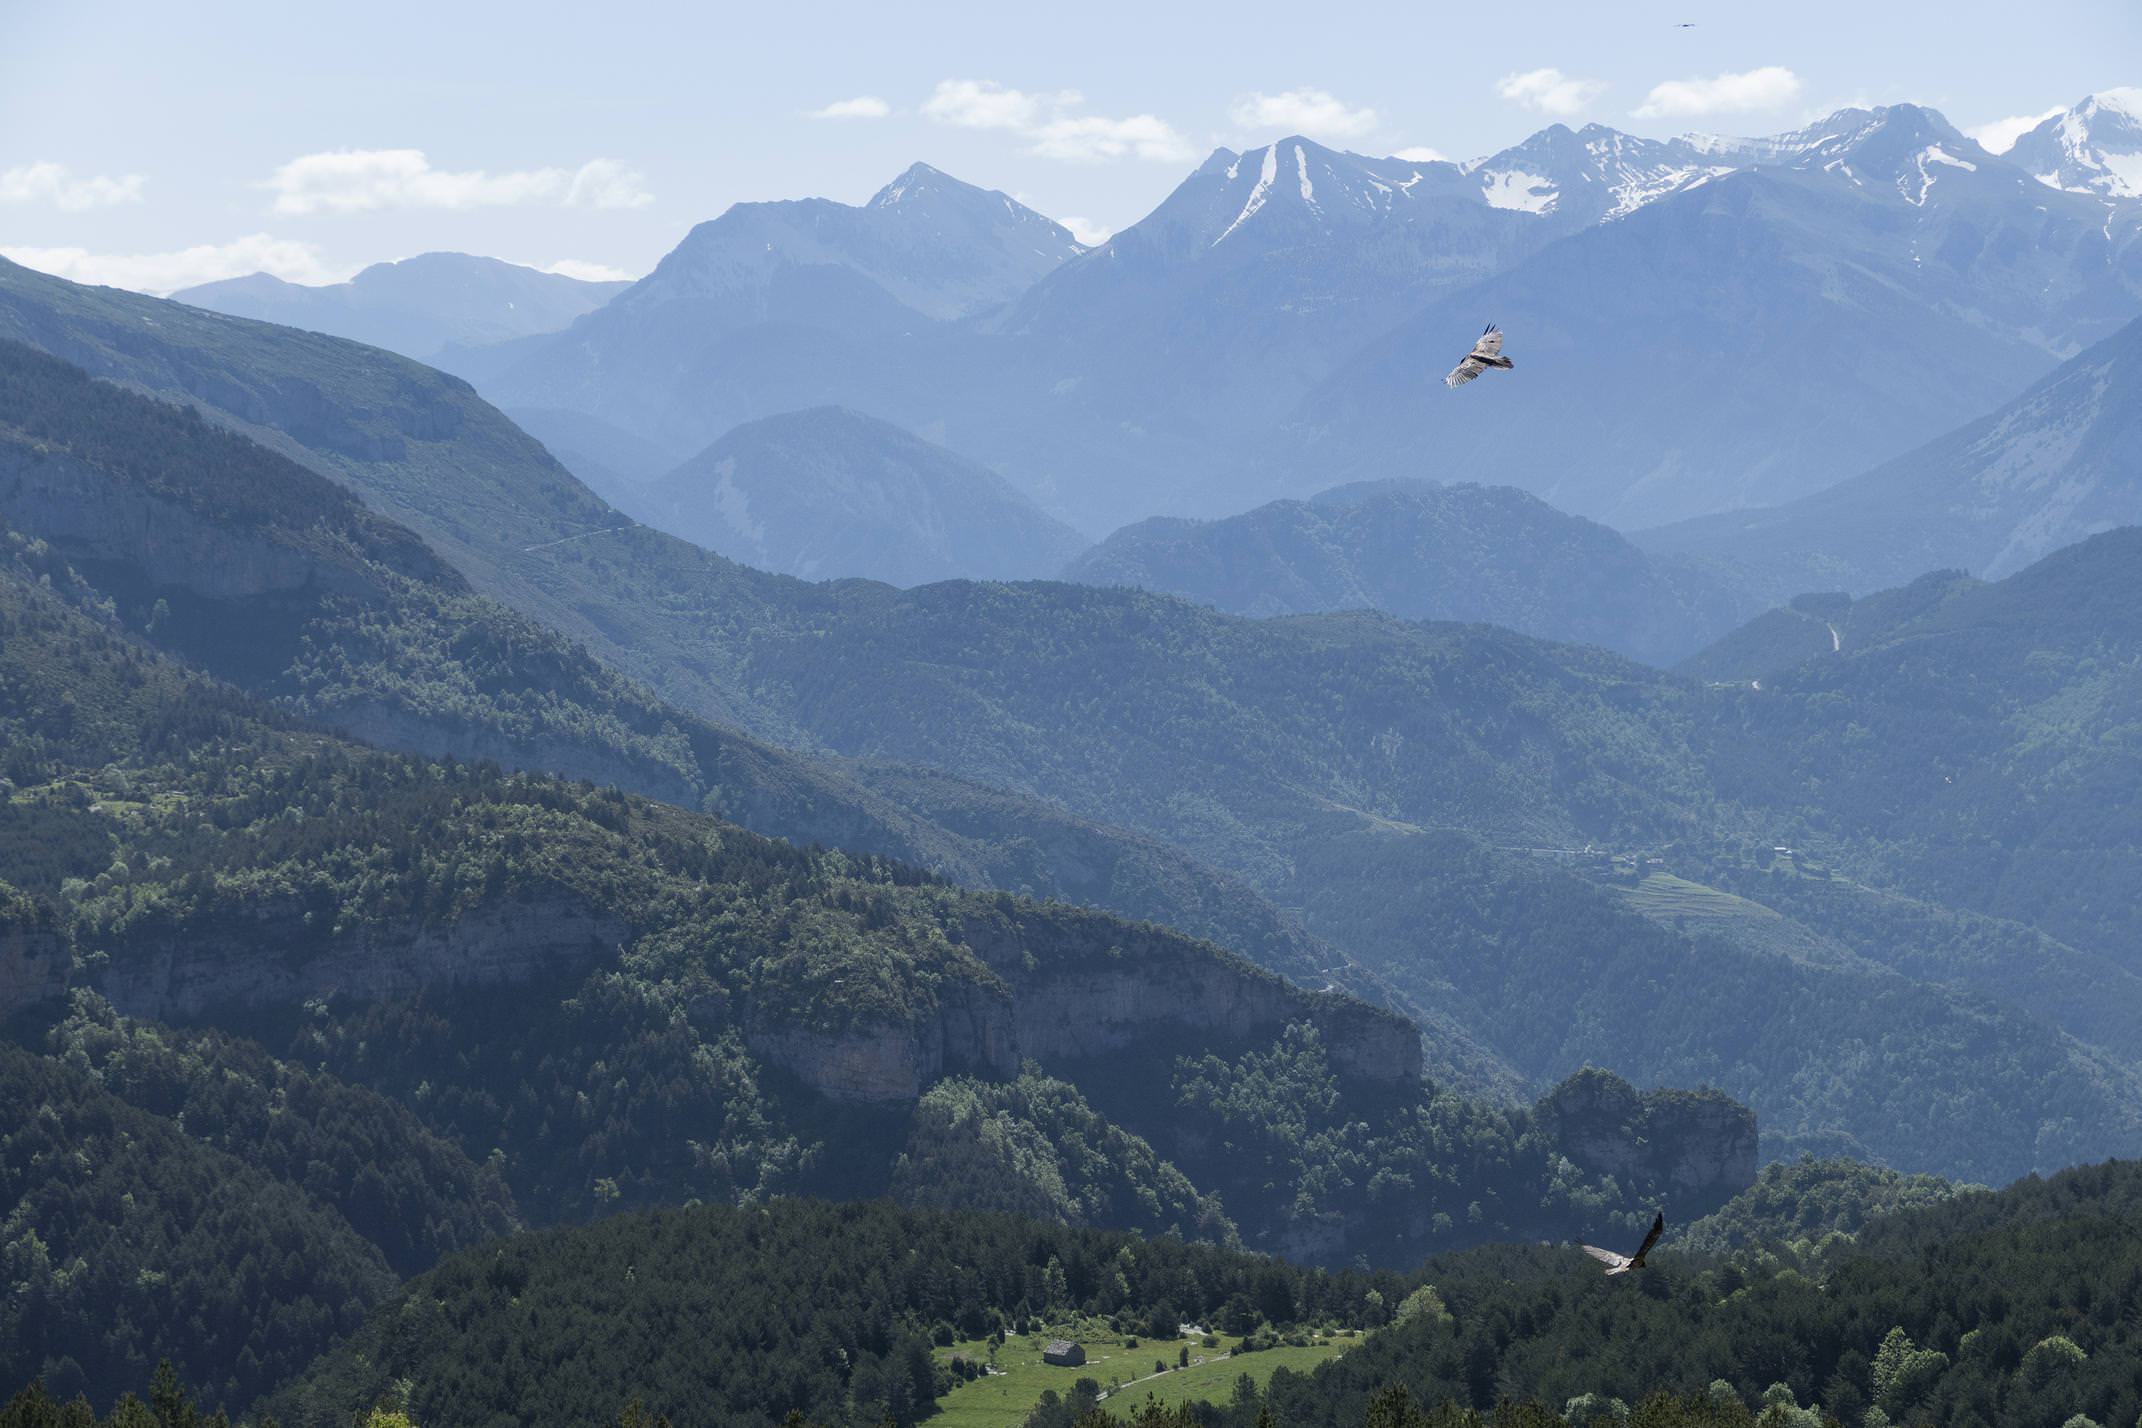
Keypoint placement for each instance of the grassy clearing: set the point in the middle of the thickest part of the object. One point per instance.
(1003, 1400)
(1214, 1380)
(1662, 895)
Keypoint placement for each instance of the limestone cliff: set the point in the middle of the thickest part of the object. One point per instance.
(97, 519)
(34, 960)
(1697, 1148)
(271, 956)
(1063, 986)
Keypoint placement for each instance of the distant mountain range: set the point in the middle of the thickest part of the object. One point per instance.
(1491, 554)
(2059, 463)
(420, 307)
(1699, 324)
(827, 492)
(774, 307)
(1868, 284)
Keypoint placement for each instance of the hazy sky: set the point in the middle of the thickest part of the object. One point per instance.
(159, 144)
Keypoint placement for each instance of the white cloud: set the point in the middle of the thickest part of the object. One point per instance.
(1092, 139)
(1421, 154)
(606, 183)
(863, 106)
(587, 272)
(1549, 91)
(1302, 111)
(360, 180)
(984, 104)
(1052, 130)
(2000, 136)
(1755, 89)
(166, 272)
(1088, 233)
(51, 183)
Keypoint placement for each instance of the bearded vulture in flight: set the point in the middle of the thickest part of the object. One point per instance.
(1622, 1264)
(1486, 353)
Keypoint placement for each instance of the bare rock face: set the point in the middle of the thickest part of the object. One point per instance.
(236, 964)
(970, 1030)
(1695, 1147)
(412, 730)
(34, 963)
(93, 516)
(1071, 1004)
(1053, 989)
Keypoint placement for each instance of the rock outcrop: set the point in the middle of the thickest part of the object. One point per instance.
(34, 959)
(271, 956)
(970, 1029)
(1695, 1147)
(96, 518)
(1066, 991)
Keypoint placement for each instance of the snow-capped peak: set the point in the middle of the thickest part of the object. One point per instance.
(1297, 183)
(2094, 147)
(2124, 99)
(1595, 174)
(1901, 129)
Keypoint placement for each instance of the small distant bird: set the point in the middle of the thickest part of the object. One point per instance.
(1486, 353)
(1622, 1264)
(1686, 25)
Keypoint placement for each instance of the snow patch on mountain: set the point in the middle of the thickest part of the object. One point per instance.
(1265, 178)
(1931, 154)
(1526, 193)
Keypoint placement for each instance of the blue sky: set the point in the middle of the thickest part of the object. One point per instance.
(158, 144)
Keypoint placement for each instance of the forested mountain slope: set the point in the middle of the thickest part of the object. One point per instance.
(1491, 554)
(1254, 745)
(1993, 760)
(794, 1307)
(728, 1018)
(2044, 470)
(2013, 1309)
(261, 571)
(826, 493)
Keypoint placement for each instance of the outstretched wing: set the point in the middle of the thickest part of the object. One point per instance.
(1464, 372)
(1615, 1263)
(1490, 343)
(1658, 1227)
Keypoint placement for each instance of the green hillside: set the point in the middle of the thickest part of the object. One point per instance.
(2009, 1308)
(717, 1316)
(253, 567)
(1263, 748)
(420, 999)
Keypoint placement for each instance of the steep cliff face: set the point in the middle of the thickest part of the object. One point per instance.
(432, 733)
(34, 959)
(271, 956)
(98, 519)
(1697, 1147)
(971, 1028)
(1055, 1000)
(1071, 1004)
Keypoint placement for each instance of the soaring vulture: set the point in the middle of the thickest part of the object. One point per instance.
(1622, 1264)
(1486, 353)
